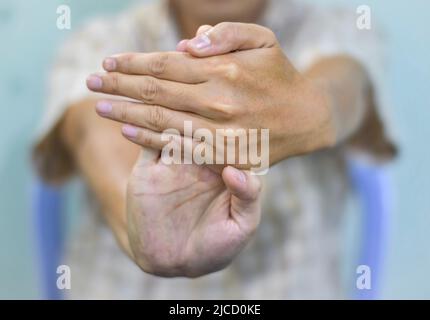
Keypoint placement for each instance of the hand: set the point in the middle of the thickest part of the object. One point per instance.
(186, 220)
(253, 87)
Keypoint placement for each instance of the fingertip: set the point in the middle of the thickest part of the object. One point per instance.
(182, 45)
(103, 108)
(199, 44)
(94, 82)
(130, 132)
(241, 184)
(109, 64)
(234, 177)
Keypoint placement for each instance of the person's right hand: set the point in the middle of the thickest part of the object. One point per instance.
(187, 220)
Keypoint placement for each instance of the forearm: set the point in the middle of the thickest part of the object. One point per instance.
(92, 141)
(347, 86)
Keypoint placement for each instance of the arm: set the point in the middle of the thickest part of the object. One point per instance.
(325, 106)
(92, 141)
(347, 86)
(344, 81)
(355, 116)
(171, 220)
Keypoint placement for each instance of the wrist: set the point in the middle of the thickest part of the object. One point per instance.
(321, 100)
(329, 129)
(308, 124)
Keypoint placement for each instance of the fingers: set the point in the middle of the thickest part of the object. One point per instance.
(242, 184)
(230, 36)
(202, 29)
(245, 189)
(182, 45)
(145, 138)
(152, 117)
(150, 90)
(158, 141)
(174, 66)
(179, 150)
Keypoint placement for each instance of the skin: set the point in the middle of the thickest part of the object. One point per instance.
(224, 91)
(191, 14)
(220, 92)
(188, 220)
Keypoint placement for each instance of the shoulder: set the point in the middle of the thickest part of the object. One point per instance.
(115, 32)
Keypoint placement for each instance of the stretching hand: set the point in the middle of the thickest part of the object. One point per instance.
(186, 220)
(233, 76)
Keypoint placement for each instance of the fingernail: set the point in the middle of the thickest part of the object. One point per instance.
(240, 176)
(201, 42)
(94, 82)
(104, 107)
(129, 131)
(109, 64)
(182, 45)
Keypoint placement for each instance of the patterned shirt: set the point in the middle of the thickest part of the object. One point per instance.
(295, 252)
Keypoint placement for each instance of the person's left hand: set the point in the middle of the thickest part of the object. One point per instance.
(186, 220)
(235, 76)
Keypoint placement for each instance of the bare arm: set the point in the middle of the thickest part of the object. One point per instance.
(104, 159)
(347, 86)
(355, 116)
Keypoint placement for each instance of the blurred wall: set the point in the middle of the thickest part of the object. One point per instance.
(29, 38)
(406, 25)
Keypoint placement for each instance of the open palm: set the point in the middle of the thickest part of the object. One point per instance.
(187, 220)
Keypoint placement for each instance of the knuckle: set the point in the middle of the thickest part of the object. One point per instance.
(157, 118)
(127, 58)
(203, 28)
(127, 62)
(149, 90)
(123, 112)
(114, 82)
(231, 71)
(226, 68)
(145, 139)
(158, 63)
(229, 31)
(228, 113)
(223, 111)
(225, 27)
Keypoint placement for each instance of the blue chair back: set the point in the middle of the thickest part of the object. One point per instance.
(373, 187)
(371, 182)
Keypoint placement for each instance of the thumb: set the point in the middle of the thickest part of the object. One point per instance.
(230, 36)
(182, 45)
(204, 28)
(245, 189)
(140, 172)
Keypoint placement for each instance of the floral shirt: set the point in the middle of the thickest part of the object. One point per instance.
(297, 249)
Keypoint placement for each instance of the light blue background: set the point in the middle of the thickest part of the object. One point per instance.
(29, 37)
